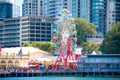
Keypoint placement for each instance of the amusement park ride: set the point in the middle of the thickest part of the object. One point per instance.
(64, 38)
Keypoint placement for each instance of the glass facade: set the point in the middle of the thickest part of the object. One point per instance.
(83, 8)
(32, 7)
(98, 15)
(1, 31)
(102, 13)
(110, 14)
(9, 10)
(52, 7)
(35, 28)
(117, 10)
(74, 8)
(11, 32)
(113, 12)
(15, 31)
(5, 10)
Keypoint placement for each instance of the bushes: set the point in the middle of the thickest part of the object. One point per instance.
(45, 46)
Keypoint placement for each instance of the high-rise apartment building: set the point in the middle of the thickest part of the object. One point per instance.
(113, 13)
(74, 8)
(98, 15)
(95, 12)
(102, 13)
(15, 31)
(8, 9)
(49, 8)
(84, 9)
(52, 7)
(33, 7)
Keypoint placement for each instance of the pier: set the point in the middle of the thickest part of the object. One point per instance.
(62, 73)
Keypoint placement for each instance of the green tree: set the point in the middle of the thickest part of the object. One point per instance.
(89, 47)
(46, 46)
(84, 28)
(26, 44)
(111, 43)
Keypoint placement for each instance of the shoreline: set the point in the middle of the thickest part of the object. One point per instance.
(107, 74)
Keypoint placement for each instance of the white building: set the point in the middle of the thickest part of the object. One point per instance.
(32, 7)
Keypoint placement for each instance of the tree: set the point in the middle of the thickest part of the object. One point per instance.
(89, 47)
(46, 46)
(111, 43)
(26, 44)
(84, 28)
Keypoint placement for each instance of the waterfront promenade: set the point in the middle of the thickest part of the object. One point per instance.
(62, 73)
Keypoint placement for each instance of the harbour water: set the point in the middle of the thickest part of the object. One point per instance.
(58, 78)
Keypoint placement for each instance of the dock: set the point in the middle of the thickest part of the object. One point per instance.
(62, 74)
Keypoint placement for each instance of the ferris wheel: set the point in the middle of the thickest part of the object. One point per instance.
(64, 37)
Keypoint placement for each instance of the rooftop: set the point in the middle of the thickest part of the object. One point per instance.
(25, 50)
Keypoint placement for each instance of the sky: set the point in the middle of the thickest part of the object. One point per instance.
(19, 2)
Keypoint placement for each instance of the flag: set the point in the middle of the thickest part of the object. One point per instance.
(20, 52)
(0, 48)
